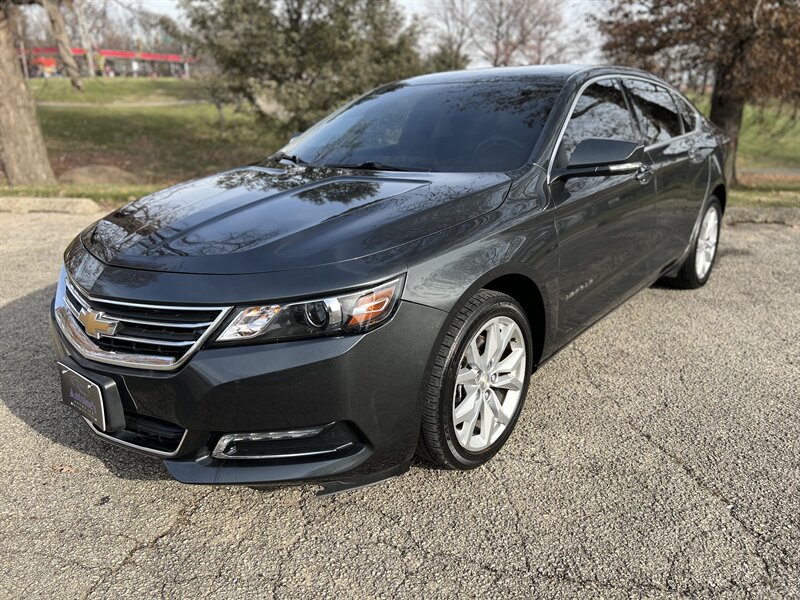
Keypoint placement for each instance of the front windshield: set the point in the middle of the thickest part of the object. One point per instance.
(450, 127)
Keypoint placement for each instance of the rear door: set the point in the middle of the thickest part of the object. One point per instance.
(603, 223)
(678, 162)
(699, 146)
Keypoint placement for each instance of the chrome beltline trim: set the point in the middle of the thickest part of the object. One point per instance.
(145, 449)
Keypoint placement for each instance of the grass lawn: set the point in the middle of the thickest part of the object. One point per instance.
(157, 145)
(103, 90)
(162, 144)
(769, 140)
(109, 195)
(758, 190)
(770, 137)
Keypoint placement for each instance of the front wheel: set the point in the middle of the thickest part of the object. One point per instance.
(696, 269)
(478, 383)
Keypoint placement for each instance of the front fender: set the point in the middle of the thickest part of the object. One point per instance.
(516, 239)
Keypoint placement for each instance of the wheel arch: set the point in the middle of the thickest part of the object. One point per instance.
(721, 193)
(525, 291)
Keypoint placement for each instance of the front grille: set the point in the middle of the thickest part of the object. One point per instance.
(139, 332)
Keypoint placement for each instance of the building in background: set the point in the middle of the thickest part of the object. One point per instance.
(127, 63)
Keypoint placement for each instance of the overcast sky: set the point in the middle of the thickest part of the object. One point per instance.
(575, 12)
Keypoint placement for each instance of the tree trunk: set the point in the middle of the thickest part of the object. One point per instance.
(53, 8)
(23, 157)
(220, 114)
(77, 8)
(727, 110)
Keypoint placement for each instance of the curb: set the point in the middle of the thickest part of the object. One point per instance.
(762, 215)
(55, 204)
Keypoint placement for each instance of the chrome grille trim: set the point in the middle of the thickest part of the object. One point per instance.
(81, 295)
(66, 314)
(150, 341)
(71, 306)
(157, 324)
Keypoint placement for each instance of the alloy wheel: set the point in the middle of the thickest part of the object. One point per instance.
(707, 243)
(489, 383)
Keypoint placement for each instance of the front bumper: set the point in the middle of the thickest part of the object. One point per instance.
(372, 384)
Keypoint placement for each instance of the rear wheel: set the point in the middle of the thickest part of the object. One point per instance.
(697, 267)
(478, 383)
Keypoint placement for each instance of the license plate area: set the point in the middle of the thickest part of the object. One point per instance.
(94, 397)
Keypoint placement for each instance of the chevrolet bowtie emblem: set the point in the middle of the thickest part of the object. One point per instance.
(95, 325)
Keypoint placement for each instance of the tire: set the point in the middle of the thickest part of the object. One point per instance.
(487, 316)
(691, 276)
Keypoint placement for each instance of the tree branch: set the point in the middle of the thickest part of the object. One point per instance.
(53, 8)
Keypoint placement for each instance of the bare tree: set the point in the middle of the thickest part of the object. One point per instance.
(749, 47)
(505, 32)
(546, 38)
(499, 28)
(23, 157)
(454, 35)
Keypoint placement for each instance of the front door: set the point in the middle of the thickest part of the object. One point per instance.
(603, 223)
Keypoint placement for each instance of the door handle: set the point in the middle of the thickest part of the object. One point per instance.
(695, 155)
(644, 175)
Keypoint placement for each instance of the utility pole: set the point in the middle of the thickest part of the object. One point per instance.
(77, 8)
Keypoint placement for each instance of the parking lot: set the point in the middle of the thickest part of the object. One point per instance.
(657, 456)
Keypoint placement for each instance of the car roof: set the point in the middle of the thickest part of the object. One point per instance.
(555, 72)
(552, 72)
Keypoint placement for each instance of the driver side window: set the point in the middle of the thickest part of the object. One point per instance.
(601, 112)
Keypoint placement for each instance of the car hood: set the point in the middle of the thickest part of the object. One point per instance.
(257, 220)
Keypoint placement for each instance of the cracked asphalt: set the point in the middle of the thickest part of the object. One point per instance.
(657, 456)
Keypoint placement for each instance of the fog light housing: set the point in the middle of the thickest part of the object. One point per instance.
(291, 443)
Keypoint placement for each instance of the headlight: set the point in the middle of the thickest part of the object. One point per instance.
(350, 313)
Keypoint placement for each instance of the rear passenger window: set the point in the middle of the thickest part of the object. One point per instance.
(687, 114)
(655, 110)
(600, 112)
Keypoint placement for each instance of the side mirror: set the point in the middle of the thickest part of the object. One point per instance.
(600, 157)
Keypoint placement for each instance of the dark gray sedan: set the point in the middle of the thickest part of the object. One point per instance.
(385, 284)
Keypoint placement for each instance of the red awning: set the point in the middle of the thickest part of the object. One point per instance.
(44, 61)
(121, 54)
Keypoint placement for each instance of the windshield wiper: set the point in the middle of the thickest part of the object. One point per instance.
(371, 165)
(281, 155)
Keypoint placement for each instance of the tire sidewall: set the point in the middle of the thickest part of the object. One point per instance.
(506, 307)
(712, 204)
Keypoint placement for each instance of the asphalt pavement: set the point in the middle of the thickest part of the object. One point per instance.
(658, 456)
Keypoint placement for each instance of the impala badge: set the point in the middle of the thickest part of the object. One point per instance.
(95, 324)
(579, 289)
